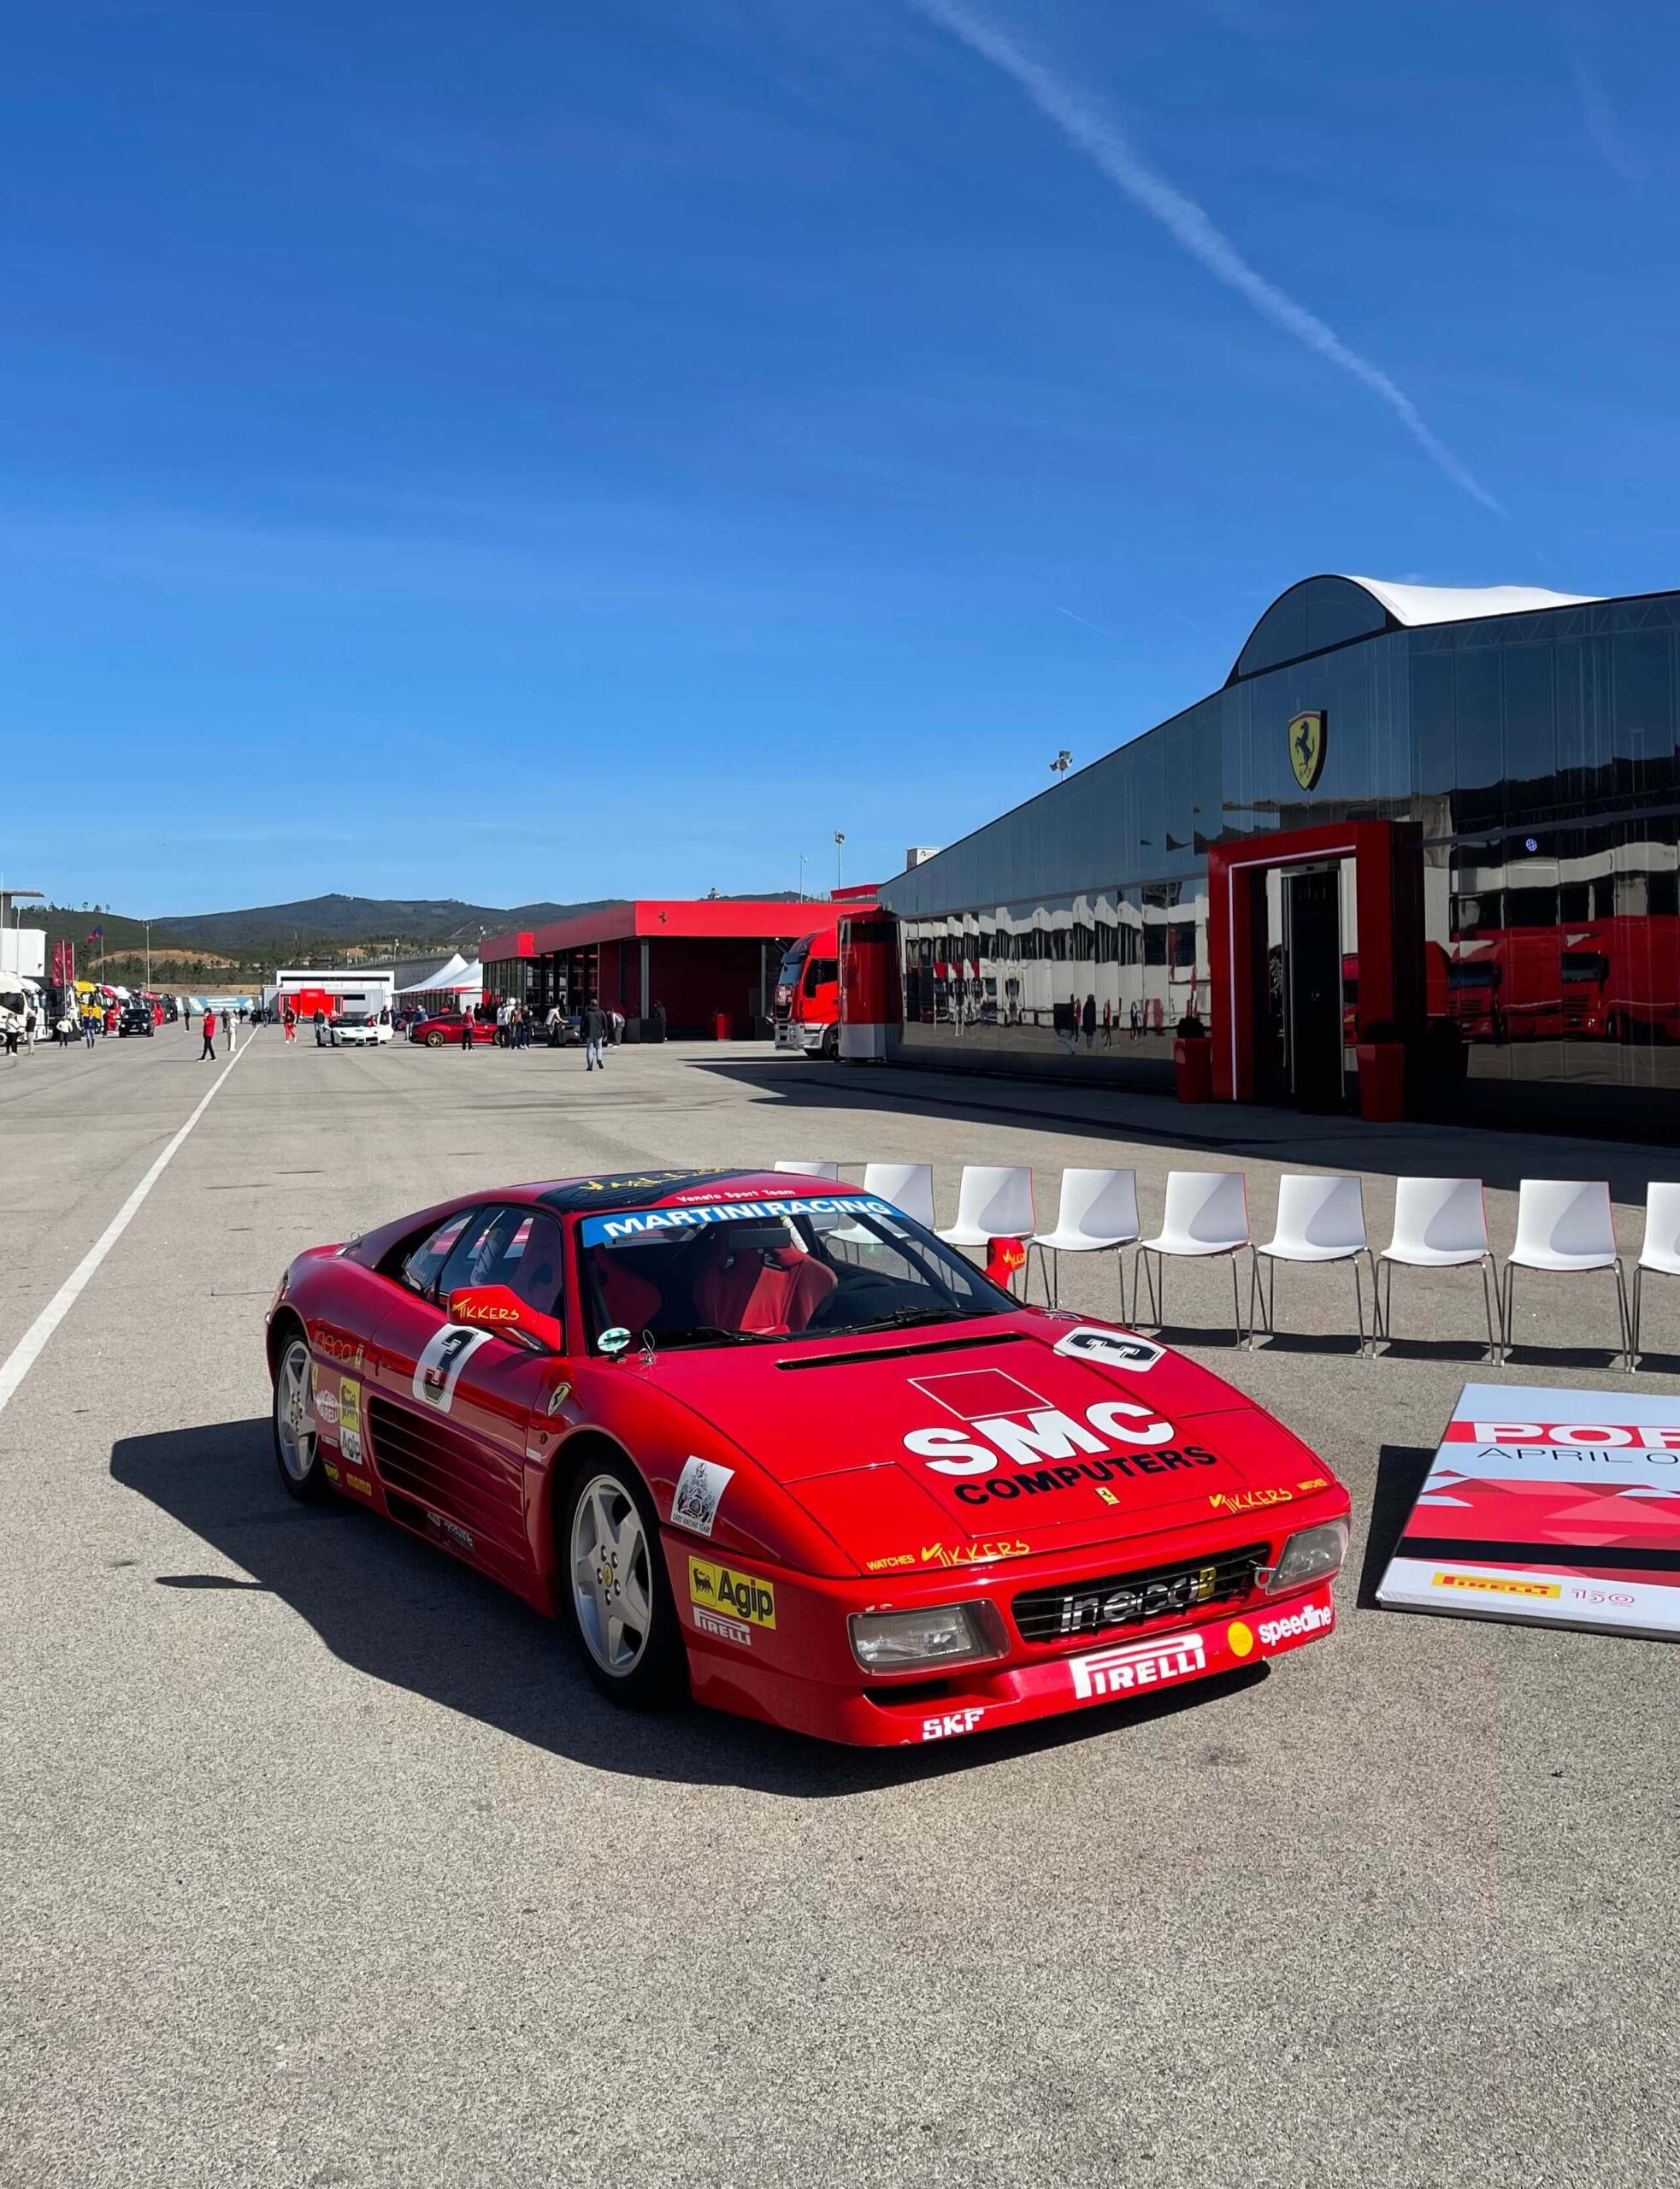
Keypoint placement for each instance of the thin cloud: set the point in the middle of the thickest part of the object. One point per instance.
(1599, 120)
(1090, 130)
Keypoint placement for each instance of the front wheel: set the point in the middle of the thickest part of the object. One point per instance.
(622, 1614)
(831, 1044)
(434, 1040)
(297, 1438)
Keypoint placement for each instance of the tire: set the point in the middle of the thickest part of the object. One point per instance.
(296, 1448)
(434, 1040)
(830, 1049)
(616, 1598)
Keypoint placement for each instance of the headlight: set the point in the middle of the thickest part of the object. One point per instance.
(1310, 1555)
(943, 1634)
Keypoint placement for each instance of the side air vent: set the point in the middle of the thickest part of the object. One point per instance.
(430, 1462)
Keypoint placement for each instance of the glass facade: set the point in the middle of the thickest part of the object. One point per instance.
(1536, 751)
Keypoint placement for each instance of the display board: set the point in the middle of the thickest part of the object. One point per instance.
(1558, 1506)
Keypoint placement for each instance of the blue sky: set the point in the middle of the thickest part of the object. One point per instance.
(533, 452)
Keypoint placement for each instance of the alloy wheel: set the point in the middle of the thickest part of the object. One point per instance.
(294, 1416)
(612, 1586)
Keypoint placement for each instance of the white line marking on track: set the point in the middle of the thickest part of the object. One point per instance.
(27, 1350)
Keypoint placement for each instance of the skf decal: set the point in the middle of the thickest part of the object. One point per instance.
(726, 1629)
(1496, 1584)
(700, 1490)
(1248, 1501)
(1141, 1664)
(952, 1721)
(438, 1370)
(734, 1595)
(1092, 1342)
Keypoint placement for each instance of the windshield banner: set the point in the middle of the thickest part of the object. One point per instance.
(1561, 1506)
(652, 1223)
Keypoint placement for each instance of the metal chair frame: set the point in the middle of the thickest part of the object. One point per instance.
(1268, 1294)
(1508, 1295)
(1489, 1292)
(1157, 1297)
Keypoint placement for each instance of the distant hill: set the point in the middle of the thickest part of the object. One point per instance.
(123, 937)
(447, 921)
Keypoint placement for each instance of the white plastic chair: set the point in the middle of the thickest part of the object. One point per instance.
(1097, 1213)
(1564, 1225)
(1660, 1252)
(812, 1170)
(908, 1186)
(994, 1202)
(1206, 1213)
(1319, 1219)
(1439, 1223)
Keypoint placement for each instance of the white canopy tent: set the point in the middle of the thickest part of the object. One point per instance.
(464, 981)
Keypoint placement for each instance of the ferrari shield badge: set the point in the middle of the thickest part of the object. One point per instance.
(1307, 747)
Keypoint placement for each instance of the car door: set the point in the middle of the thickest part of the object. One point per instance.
(450, 1414)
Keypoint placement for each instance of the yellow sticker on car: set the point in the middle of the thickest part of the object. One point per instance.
(736, 1595)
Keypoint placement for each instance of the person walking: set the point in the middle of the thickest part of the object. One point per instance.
(1088, 1020)
(290, 1019)
(208, 1049)
(320, 1027)
(556, 1024)
(594, 1031)
(90, 1031)
(13, 1028)
(1108, 1025)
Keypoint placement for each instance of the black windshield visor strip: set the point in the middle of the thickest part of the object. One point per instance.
(913, 1351)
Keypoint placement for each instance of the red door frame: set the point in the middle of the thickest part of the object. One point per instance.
(1383, 852)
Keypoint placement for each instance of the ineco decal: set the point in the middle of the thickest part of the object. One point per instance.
(1143, 1664)
(347, 1350)
(438, 1370)
(700, 1490)
(1496, 1584)
(735, 1595)
(952, 1721)
(1089, 1611)
(1092, 1342)
(649, 1223)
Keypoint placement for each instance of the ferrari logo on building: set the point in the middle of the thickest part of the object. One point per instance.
(1306, 748)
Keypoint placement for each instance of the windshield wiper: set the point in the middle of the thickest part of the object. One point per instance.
(705, 1334)
(906, 1317)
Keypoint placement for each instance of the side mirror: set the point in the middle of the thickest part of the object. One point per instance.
(496, 1307)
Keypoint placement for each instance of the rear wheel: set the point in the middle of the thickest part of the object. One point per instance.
(297, 1439)
(623, 1617)
(434, 1040)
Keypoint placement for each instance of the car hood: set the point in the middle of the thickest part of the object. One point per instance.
(1029, 1433)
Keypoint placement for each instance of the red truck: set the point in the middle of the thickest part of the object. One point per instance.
(807, 988)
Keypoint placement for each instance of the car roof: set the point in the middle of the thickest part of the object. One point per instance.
(674, 1189)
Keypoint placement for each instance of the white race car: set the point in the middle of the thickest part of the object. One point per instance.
(360, 1029)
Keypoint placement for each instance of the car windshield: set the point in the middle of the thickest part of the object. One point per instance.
(750, 1271)
(357, 1019)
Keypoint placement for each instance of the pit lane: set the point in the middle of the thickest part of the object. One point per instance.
(321, 1862)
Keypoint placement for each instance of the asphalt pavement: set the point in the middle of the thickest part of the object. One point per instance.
(321, 1861)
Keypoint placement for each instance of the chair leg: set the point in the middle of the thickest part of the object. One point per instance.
(1254, 1280)
(1359, 1304)
(1638, 1284)
(1622, 1314)
(1388, 1276)
(1236, 1302)
(1485, 1266)
(1508, 1309)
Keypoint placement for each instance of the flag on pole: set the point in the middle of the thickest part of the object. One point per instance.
(98, 935)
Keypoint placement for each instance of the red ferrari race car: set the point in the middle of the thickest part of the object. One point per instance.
(764, 1440)
(444, 1031)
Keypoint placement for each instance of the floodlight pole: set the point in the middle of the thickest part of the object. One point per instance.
(840, 859)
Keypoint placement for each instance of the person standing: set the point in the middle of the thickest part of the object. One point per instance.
(594, 1031)
(556, 1026)
(1108, 1025)
(1088, 1020)
(90, 1031)
(233, 1032)
(208, 1049)
(62, 1030)
(466, 1033)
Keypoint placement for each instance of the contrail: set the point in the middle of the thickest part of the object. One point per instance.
(1091, 133)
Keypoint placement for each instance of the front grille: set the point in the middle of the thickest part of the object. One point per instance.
(1132, 1599)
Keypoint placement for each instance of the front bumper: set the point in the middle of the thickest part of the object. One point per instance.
(836, 1703)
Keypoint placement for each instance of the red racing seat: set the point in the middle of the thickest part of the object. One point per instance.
(630, 1300)
(761, 1290)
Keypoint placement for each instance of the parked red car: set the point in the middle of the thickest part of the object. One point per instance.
(764, 1440)
(444, 1031)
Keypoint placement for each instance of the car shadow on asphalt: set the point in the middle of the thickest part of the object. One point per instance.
(402, 1612)
(1401, 1470)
